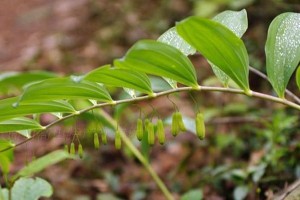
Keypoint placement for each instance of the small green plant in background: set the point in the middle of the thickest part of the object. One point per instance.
(20, 185)
(217, 40)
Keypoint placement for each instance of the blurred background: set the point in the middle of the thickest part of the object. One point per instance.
(252, 149)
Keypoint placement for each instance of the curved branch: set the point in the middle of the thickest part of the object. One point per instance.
(164, 93)
(262, 75)
(127, 141)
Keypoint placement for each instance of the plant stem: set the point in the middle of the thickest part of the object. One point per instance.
(127, 141)
(262, 75)
(9, 194)
(164, 93)
(139, 156)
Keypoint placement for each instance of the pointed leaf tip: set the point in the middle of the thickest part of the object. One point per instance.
(19, 124)
(219, 45)
(10, 109)
(283, 50)
(172, 38)
(237, 22)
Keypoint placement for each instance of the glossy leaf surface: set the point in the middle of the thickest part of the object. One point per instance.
(283, 50)
(237, 22)
(120, 78)
(172, 38)
(10, 110)
(18, 124)
(64, 88)
(219, 45)
(159, 59)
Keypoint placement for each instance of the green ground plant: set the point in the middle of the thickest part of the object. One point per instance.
(218, 40)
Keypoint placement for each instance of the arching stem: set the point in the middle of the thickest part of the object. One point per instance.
(139, 156)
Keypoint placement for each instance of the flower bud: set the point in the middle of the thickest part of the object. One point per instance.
(80, 150)
(180, 122)
(96, 141)
(72, 149)
(175, 125)
(139, 129)
(151, 134)
(160, 132)
(200, 126)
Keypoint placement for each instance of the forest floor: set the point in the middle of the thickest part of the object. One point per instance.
(76, 36)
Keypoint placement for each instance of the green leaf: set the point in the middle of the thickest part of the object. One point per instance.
(159, 59)
(219, 45)
(130, 92)
(10, 110)
(240, 192)
(30, 189)
(18, 124)
(6, 157)
(171, 82)
(64, 88)
(16, 80)
(120, 78)
(193, 195)
(298, 77)
(106, 196)
(237, 22)
(283, 50)
(25, 133)
(43, 162)
(158, 84)
(172, 38)
(257, 171)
